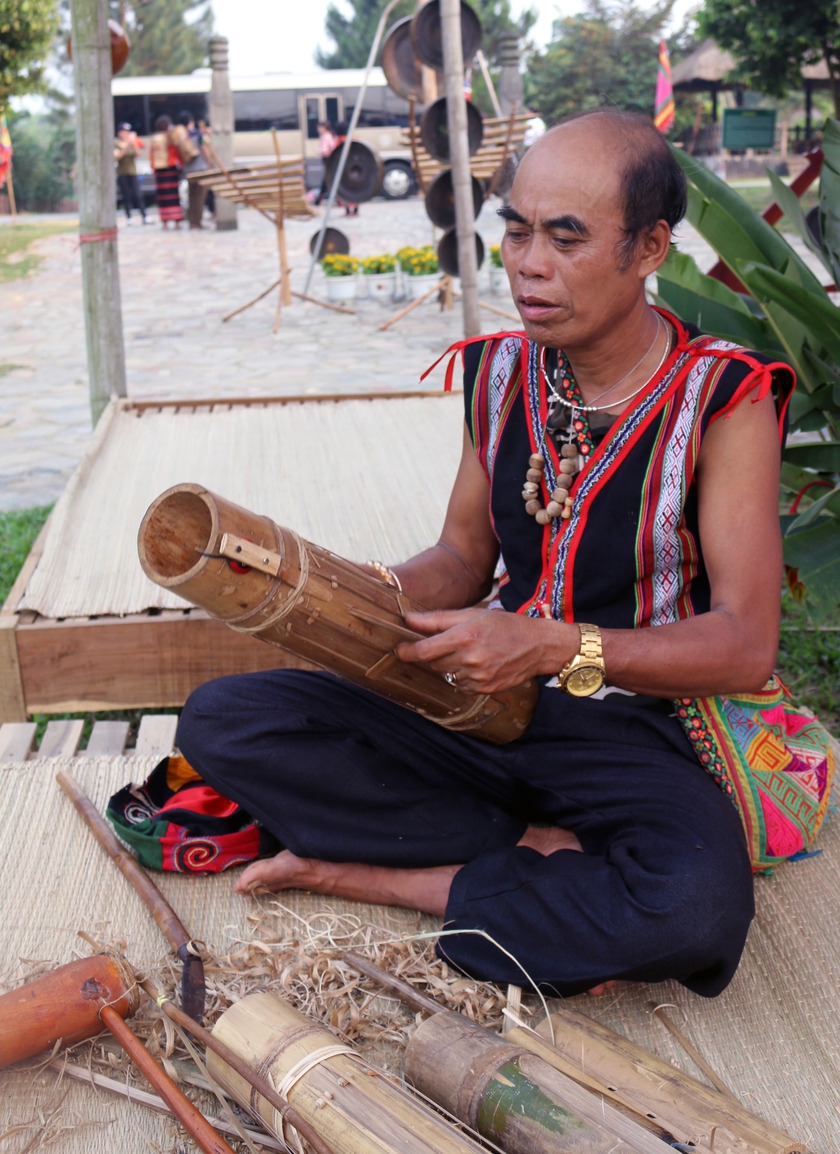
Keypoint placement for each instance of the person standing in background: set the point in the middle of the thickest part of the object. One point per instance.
(166, 164)
(193, 154)
(206, 137)
(126, 147)
(326, 144)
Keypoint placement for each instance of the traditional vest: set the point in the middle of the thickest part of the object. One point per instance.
(630, 556)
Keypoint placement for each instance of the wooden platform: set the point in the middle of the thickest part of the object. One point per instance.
(83, 629)
(155, 738)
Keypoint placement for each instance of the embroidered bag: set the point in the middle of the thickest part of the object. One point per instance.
(175, 821)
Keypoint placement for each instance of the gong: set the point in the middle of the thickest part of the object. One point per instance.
(434, 130)
(362, 175)
(427, 38)
(334, 241)
(448, 252)
(120, 46)
(440, 199)
(401, 67)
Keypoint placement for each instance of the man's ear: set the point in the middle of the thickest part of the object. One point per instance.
(653, 249)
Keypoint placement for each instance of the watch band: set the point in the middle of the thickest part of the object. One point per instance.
(590, 643)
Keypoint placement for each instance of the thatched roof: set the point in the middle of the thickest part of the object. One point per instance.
(710, 65)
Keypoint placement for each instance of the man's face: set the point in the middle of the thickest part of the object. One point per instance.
(124, 134)
(561, 244)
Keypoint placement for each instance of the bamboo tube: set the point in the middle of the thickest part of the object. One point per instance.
(266, 581)
(214, 1044)
(693, 1053)
(64, 1005)
(355, 1110)
(677, 1100)
(190, 1118)
(512, 1097)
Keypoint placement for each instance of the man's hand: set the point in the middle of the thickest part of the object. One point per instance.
(489, 651)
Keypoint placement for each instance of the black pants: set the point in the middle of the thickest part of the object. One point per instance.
(663, 889)
(130, 193)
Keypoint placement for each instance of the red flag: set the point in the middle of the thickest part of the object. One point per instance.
(5, 151)
(663, 116)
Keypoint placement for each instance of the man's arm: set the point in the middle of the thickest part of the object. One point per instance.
(458, 571)
(731, 649)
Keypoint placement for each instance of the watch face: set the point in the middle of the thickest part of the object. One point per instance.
(584, 681)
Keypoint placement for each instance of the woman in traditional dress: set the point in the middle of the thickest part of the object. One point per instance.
(166, 164)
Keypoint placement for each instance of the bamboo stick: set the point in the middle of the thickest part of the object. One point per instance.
(695, 1055)
(242, 308)
(187, 1114)
(410, 308)
(153, 1102)
(670, 1094)
(403, 990)
(285, 288)
(217, 1046)
(323, 304)
(494, 309)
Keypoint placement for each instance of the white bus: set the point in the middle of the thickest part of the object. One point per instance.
(291, 103)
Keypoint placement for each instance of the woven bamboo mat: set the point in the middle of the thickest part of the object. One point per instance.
(772, 1036)
(365, 478)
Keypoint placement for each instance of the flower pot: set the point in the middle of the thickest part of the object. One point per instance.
(499, 283)
(341, 288)
(417, 285)
(361, 286)
(380, 286)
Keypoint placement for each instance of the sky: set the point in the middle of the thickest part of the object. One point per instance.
(282, 35)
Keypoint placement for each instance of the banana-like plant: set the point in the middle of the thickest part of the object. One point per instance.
(788, 316)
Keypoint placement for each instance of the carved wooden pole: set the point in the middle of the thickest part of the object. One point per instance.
(97, 202)
(456, 111)
(221, 122)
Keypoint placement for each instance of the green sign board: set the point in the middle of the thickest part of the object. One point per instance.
(749, 128)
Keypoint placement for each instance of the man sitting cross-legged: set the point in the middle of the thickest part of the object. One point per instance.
(641, 563)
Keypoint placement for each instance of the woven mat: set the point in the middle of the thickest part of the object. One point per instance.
(365, 478)
(772, 1036)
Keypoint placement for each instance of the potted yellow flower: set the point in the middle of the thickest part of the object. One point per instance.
(340, 271)
(379, 275)
(499, 282)
(420, 268)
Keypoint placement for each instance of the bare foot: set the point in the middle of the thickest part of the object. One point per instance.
(597, 991)
(550, 840)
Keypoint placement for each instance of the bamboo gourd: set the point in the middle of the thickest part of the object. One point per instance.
(265, 580)
(512, 1097)
(704, 1115)
(355, 1110)
(64, 1004)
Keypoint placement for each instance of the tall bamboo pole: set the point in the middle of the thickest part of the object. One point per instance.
(97, 202)
(456, 115)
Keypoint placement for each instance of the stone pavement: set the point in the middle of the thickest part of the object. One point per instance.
(176, 287)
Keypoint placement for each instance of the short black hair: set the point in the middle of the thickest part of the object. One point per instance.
(163, 124)
(184, 118)
(653, 185)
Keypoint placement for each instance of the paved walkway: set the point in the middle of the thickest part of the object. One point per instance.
(176, 287)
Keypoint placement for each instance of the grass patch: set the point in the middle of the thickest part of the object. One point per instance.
(809, 661)
(760, 197)
(16, 238)
(18, 530)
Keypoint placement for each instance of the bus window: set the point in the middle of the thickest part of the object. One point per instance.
(332, 117)
(260, 110)
(312, 117)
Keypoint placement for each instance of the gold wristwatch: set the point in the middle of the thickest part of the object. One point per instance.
(586, 672)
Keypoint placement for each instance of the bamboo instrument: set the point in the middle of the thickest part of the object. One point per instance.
(64, 1005)
(192, 975)
(266, 581)
(356, 1110)
(187, 1114)
(217, 1046)
(710, 1119)
(526, 1107)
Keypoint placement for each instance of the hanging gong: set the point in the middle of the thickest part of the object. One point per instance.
(334, 241)
(448, 252)
(401, 67)
(434, 130)
(440, 199)
(427, 38)
(362, 175)
(120, 46)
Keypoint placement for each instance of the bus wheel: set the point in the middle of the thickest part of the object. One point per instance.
(398, 180)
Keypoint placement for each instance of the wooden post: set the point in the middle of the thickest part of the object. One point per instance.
(285, 283)
(221, 122)
(97, 202)
(456, 110)
(10, 185)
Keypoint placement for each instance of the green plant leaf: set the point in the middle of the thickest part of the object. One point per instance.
(789, 203)
(793, 480)
(815, 552)
(813, 310)
(830, 196)
(821, 456)
(820, 506)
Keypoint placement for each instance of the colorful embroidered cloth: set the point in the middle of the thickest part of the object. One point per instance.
(775, 761)
(175, 821)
